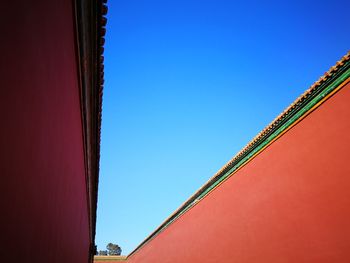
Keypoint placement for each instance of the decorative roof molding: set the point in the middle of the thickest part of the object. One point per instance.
(321, 90)
(90, 25)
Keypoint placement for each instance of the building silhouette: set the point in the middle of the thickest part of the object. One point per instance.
(283, 198)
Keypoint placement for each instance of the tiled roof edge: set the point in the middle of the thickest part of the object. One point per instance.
(330, 76)
(101, 32)
(284, 114)
(90, 26)
(102, 10)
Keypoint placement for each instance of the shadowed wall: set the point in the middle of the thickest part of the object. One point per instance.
(43, 200)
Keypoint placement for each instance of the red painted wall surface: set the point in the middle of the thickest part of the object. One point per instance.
(290, 204)
(44, 215)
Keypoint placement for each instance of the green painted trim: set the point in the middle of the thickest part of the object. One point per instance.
(280, 130)
(289, 119)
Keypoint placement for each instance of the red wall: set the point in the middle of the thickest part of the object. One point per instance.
(290, 204)
(44, 215)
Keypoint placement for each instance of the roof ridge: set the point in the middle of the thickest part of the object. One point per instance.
(285, 112)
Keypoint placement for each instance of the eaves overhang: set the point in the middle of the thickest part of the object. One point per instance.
(90, 27)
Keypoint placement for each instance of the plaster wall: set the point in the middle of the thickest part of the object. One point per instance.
(44, 214)
(291, 203)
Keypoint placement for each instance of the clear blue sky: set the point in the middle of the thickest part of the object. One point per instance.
(188, 84)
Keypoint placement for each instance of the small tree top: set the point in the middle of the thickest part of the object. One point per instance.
(113, 249)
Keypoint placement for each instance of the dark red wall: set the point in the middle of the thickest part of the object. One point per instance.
(44, 215)
(290, 204)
